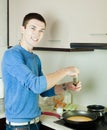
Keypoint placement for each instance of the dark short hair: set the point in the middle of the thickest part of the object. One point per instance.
(33, 16)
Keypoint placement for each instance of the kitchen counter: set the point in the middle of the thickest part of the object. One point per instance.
(49, 122)
(100, 124)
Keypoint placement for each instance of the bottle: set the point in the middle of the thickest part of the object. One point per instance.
(68, 97)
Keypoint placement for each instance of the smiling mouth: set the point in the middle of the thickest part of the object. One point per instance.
(34, 39)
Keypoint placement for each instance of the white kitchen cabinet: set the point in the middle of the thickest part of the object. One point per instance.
(67, 21)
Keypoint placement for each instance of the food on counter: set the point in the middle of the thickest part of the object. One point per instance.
(79, 118)
(60, 104)
(58, 101)
(70, 107)
(58, 98)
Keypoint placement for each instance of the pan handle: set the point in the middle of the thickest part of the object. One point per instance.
(51, 114)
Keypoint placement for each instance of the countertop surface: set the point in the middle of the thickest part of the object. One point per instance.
(99, 124)
(49, 122)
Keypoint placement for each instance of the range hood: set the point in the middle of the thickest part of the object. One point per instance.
(88, 45)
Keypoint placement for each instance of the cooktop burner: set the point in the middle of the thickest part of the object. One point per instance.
(101, 124)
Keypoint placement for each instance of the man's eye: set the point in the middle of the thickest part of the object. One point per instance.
(33, 28)
(41, 30)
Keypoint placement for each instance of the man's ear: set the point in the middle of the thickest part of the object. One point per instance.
(22, 29)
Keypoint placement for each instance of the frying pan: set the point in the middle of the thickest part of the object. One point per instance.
(79, 124)
(76, 124)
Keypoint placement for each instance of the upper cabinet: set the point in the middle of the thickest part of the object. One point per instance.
(68, 21)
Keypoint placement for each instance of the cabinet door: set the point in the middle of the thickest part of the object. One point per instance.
(2, 124)
(45, 128)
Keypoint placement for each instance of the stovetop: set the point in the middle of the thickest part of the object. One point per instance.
(100, 124)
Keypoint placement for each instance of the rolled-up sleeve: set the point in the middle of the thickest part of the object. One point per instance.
(48, 93)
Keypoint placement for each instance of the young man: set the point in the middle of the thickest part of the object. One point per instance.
(24, 80)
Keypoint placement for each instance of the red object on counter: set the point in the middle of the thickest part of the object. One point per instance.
(51, 114)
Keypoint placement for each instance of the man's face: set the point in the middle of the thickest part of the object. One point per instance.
(33, 33)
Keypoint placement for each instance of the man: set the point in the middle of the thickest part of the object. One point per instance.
(24, 80)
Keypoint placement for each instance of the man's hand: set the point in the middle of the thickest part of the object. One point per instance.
(71, 86)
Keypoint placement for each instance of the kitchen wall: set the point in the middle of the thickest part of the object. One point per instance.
(92, 65)
(3, 28)
(93, 73)
(3, 37)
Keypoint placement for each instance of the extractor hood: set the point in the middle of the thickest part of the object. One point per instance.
(88, 45)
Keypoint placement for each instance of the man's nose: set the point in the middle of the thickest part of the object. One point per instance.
(37, 33)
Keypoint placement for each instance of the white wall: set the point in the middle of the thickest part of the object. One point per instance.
(3, 28)
(93, 73)
(3, 37)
